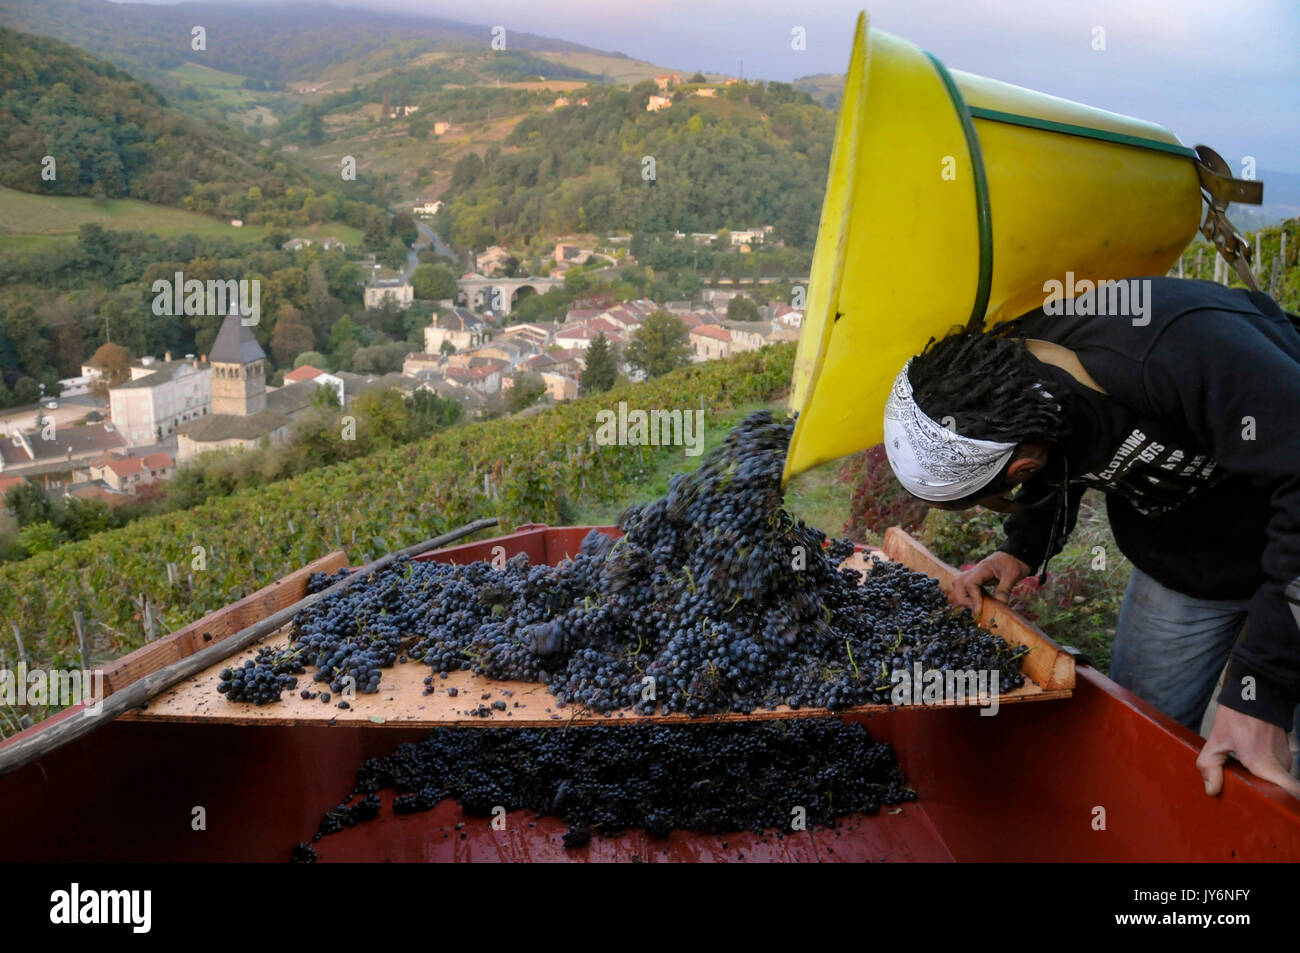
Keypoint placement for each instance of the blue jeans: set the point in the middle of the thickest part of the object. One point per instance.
(1170, 648)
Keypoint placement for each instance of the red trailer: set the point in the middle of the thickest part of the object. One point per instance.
(1086, 772)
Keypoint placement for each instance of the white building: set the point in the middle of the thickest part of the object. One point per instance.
(397, 290)
(750, 236)
(462, 327)
(319, 377)
(160, 397)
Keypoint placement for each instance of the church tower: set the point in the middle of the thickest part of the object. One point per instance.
(238, 369)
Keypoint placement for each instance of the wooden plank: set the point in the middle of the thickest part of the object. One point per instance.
(1047, 663)
(401, 700)
(216, 626)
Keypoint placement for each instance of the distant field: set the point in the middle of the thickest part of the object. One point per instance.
(619, 70)
(27, 220)
(244, 105)
(207, 77)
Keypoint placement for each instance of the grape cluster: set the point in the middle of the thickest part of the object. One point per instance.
(262, 679)
(349, 815)
(353, 636)
(715, 599)
(318, 581)
(711, 778)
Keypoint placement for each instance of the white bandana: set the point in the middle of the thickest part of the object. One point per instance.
(931, 461)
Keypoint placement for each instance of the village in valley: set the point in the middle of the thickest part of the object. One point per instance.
(114, 442)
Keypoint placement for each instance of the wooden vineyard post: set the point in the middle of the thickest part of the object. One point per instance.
(80, 622)
(18, 637)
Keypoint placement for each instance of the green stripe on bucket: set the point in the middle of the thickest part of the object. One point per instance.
(1086, 132)
(984, 215)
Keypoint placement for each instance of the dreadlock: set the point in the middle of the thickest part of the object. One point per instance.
(987, 383)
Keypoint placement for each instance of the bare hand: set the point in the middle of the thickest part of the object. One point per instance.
(1259, 746)
(1003, 568)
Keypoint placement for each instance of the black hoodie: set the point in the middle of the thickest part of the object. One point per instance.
(1196, 445)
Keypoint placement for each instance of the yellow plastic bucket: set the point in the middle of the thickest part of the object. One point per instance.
(952, 199)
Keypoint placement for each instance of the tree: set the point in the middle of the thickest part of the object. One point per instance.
(381, 417)
(660, 345)
(81, 519)
(315, 358)
(29, 504)
(382, 357)
(433, 282)
(40, 537)
(27, 390)
(395, 255)
(404, 228)
(600, 367)
(345, 329)
(291, 336)
(114, 360)
(742, 308)
(315, 127)
(446, 347)
(697, 78)
(426, 412)
(527, 391)
(376, 230)
(468, 168)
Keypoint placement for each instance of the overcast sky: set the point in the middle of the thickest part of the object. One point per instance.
(1221, 73)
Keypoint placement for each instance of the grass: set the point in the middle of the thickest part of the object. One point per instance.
(28, 220)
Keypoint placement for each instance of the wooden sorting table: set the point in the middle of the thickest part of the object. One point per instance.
(1048, 670)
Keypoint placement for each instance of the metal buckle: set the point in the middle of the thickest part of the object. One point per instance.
(1220, 189)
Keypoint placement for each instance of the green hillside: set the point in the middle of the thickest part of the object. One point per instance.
(108, 135)
(273, 43)
(755, 154)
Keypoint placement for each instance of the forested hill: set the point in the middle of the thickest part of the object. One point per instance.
(113, 136)
(272, 43)
(752, 154)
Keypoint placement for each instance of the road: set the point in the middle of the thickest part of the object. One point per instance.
(430, 237)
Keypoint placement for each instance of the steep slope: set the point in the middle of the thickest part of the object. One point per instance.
(110, 135)
(274, 43)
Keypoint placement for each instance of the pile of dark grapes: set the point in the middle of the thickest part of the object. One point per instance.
(318, 581)
(715, 599)
(353, 644)
(262, 679)
(711, 778)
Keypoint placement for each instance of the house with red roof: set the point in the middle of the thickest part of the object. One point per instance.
(710, 342)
